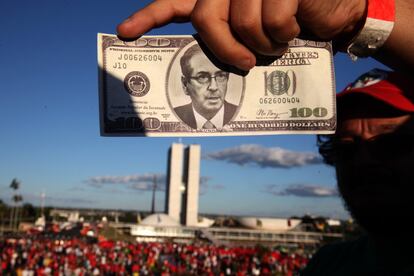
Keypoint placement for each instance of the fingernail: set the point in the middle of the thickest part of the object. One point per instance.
(246, 64)
(281, 50)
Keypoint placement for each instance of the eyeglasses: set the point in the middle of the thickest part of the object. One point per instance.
(205, 78)
(382, 147)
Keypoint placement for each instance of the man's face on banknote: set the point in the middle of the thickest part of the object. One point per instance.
(207, 85)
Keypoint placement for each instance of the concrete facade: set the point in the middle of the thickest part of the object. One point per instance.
(174, 181)
(183, 181)
(192, 177)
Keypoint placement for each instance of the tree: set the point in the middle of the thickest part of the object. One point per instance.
(3, 206)
(15, 184)
(29, 211)
(3, 209)
(16, 200)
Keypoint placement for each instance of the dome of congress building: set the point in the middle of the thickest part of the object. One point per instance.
(159, 219)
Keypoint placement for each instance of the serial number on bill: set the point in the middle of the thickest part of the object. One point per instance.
(269, 100)
(138, 57)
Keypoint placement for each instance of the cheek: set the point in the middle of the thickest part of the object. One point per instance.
(223, 87)
(197, 93)
(200, 92)
(405, 165)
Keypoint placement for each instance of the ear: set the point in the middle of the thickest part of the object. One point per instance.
(184, 82)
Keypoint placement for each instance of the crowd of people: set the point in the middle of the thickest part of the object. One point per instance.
(45, 256)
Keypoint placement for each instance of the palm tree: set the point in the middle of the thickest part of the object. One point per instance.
(17, 199)
(15, 184)
(3, 210)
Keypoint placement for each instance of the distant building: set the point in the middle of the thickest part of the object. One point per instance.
(192, 185)
(160, 220)
(183, 182)
(269, 224)
(174, 181)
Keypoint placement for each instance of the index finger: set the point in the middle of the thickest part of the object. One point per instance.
(211, 20)
(156, 14)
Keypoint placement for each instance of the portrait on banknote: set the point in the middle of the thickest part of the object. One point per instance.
(202, 95)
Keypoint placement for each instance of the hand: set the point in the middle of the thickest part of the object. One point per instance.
(234, 30)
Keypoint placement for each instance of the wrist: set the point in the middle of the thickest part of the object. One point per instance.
(378, 25)
(353, 27)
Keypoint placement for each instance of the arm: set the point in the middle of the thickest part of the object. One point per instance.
(236, 29)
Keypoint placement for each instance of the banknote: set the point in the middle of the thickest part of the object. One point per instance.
(173, 86)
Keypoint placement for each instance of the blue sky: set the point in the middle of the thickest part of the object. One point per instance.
(49, 127)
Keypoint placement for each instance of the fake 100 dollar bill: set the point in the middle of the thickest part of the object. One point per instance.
(170, 86)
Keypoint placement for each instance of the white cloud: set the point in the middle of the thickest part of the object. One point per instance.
(51, 200)
(147, 186)
(127, 179)
(265, 157)
(143, 182)
(303, 190)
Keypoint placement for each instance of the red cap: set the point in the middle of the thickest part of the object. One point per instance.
(391, 88)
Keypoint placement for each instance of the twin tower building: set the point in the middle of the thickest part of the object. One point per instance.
(183, 182)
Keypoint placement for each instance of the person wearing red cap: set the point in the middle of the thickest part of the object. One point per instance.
(373, 154)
